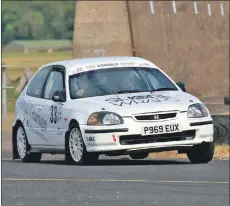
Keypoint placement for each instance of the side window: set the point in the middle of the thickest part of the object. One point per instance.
(55, 82)
(35, 87)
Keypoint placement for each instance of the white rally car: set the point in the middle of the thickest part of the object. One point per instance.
(108, 105)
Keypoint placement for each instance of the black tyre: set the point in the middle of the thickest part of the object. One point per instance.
(221, 129)
(76, 152)
(23, 147)
(202, 153)
(137, 156)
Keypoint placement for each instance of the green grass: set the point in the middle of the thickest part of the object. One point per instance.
(22, 60)
(33, 60)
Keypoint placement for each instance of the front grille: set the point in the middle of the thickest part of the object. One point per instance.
(169, 137)
(153, 116)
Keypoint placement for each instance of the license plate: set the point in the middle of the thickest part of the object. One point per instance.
(160, 129)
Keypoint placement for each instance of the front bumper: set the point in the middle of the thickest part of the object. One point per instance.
(115, 138)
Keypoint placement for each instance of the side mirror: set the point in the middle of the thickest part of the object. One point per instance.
(58, 96)
(182, 86)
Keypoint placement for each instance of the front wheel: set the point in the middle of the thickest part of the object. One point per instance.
(23, 147)
(137, 156)
(76, 150)
(202, 153)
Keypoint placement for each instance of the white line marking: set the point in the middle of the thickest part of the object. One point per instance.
(222, 9)
(209, 10)
(151, 6)
(174, 6)
(114, 180)
(195, 7)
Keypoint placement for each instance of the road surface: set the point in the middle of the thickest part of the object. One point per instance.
(114, 181)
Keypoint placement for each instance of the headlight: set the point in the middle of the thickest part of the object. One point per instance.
(104, 118)
(197, 110)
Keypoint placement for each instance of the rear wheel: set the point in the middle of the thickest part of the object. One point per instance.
(202, 153)
(23, 146)
(76, 149)
(142, 155)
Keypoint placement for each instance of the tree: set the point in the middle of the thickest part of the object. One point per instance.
(37, 20)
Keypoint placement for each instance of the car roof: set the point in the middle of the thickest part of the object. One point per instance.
(76, 63)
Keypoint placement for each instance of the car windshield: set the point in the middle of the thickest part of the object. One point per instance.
(118, 80)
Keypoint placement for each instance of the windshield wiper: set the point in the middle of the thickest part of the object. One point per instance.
(127, 91)
(164, 89)
(135, 91)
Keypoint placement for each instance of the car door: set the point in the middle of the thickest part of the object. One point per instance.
(53, 111)
(33, 121)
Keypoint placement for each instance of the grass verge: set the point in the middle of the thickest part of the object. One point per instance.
(32, 60)
(221, 153)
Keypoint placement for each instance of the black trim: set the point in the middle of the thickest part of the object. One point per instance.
(167, 137)
(57, 68)
(106, 130)
(42, 69)
(201, 123)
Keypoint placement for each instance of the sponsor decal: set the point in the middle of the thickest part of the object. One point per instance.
(77, 70)
(29, 110)
(90, 67)
(39, 134)
(37, 118)
(144, 64)
(127, 64)
(60, 131)
(108, 65)
(103, 65)
(91, 141)
(24, 106)
(141, 99)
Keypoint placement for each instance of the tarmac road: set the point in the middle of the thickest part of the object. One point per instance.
(115, 181)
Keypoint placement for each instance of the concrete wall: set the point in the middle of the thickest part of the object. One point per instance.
(101, 25)
(193, 48)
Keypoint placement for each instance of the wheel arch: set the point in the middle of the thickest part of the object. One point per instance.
(67, 132)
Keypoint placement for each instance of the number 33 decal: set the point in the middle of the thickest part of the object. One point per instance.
(53, 115)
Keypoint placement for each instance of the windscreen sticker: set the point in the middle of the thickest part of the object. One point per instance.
(141, 99)
(89, 67)
(130, 64)
(144, 65)
(109, 65)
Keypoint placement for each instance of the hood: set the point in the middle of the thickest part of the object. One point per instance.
(136, 103)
